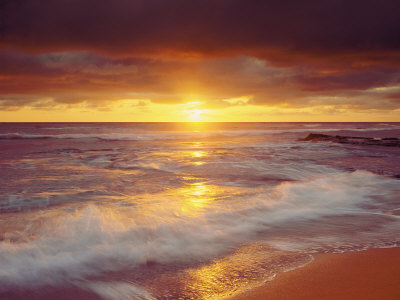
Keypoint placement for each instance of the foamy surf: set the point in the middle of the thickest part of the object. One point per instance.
(185, 219)
(97, 239)
(117, 290)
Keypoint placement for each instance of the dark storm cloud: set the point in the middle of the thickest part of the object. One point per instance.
(23, 64)
(87, 77)
(394, 97)
(316, 27)
(72, 72)
(275, 52)
(349, 80)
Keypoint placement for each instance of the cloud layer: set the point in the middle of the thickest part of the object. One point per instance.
(279, 53)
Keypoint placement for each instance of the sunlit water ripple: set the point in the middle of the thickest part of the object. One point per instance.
(184, 211)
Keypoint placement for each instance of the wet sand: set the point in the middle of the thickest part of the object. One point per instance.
(371, 274)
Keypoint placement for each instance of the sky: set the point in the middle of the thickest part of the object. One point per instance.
(199, 60)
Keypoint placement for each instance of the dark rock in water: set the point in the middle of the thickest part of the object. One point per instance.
(316, 136)
(390, 139)
(355, 140)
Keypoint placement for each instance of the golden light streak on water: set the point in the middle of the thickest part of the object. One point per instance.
(198, 153)
(196, 196)
(246, 268)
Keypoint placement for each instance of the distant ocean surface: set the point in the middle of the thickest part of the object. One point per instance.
(185, 210)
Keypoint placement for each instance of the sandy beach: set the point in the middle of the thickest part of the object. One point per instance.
(371, 274)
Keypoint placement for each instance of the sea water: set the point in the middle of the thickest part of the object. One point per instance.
(185, 210)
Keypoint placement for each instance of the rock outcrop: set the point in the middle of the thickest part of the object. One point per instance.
(355, 140)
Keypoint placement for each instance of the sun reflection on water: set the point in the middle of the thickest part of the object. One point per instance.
(198, 153)
(199, 156)
(196, 196)
(248, 267)
(228, 276)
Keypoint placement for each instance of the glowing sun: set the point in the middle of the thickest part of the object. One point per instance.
(195, 114)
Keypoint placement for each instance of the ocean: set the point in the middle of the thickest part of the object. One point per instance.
(186, 210)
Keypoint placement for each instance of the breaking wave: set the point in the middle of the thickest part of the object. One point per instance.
(98, 239)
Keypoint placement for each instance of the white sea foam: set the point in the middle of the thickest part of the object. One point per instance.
(117, 290)
(98, 239)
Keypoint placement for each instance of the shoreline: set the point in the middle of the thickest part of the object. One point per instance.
(369, 274)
